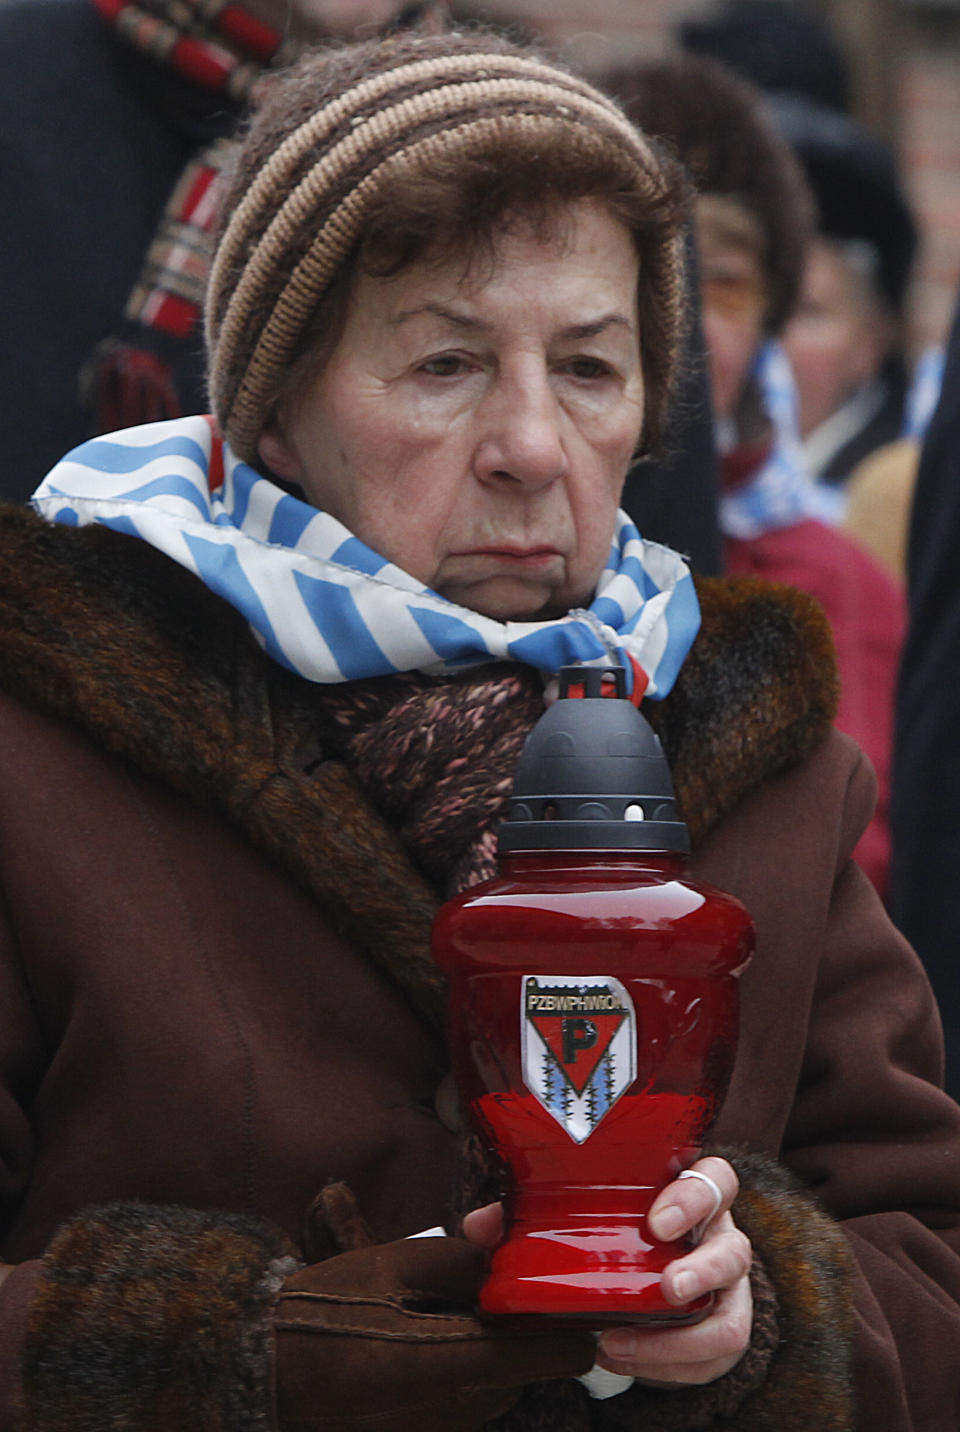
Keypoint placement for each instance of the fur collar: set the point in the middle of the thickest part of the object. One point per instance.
(110, 635)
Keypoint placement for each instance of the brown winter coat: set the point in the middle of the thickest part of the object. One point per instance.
(215, 988)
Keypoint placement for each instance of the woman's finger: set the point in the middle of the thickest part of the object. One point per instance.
(720, 1260)
(484, 1226)
(693, 1202)
(696, 1354)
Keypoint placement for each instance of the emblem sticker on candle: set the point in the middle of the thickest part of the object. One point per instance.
(579, 1039)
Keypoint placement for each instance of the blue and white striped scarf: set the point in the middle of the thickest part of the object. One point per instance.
(782, 492)
(325, 605)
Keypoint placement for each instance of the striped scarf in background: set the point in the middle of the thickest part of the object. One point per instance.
(220, 48)
(326, 606)
(781, 492)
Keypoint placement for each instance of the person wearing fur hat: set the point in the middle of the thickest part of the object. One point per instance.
(265, 678)
(754, 223)
(846, 339)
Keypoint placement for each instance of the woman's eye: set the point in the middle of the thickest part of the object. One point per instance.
(444, 365)
(587, 368)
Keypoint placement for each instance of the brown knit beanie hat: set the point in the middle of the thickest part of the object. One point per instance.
(383, 152)
(721, 131)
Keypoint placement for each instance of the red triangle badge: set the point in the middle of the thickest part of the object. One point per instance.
(578, 1041)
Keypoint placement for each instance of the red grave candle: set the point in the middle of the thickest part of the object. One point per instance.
(593, 1015)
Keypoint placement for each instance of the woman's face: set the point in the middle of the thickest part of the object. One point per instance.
(837, 338)
(474, 425)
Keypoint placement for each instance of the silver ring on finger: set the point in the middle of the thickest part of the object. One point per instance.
(713, 1187)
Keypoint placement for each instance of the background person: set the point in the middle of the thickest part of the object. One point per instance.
(754, 222)
(779, 47)
(120, 108)
(846, 340)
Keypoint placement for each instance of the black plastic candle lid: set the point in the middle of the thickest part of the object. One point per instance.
(592, 775)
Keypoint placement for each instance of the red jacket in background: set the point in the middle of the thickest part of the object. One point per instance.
(867, 612)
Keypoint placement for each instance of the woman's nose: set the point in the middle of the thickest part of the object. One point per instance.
(520, 437)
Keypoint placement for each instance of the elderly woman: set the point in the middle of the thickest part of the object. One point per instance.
(264, 684)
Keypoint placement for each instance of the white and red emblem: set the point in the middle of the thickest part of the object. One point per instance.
(578, 1036)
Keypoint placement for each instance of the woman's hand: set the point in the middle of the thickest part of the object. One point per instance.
(719, 1264)
(383, 1336)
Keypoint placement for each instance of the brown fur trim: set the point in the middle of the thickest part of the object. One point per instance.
(756, 695)
(811, 1266)
(153, 1318)
(112, 636)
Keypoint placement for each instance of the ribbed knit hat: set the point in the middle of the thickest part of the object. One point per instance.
(343, 125)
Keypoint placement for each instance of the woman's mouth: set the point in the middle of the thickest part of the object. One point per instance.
(504, 580)
(512, 555)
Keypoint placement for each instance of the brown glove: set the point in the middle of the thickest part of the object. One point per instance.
(379, 1340)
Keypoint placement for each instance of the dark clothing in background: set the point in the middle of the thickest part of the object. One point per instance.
(673, 497)
(93, 138)
(925, 898)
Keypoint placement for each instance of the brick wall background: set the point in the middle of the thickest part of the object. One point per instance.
(905, 56)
